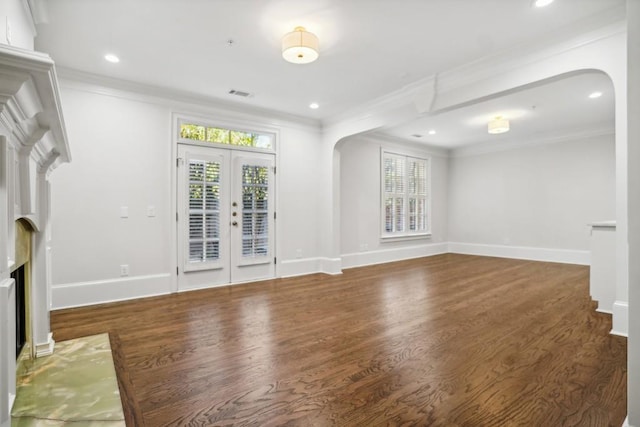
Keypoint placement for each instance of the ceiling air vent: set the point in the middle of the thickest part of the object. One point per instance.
(417, 135)
(239, 93)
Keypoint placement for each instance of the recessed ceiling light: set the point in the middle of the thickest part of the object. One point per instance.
(432, 132)
(314, 106)
(112, 58)
(542, 3)
(595, 95)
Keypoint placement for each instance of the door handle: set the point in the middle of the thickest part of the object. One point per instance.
(234, 223)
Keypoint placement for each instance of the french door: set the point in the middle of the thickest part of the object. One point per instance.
(225, 216)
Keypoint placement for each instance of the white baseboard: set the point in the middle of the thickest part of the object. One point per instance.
(564, 256)
(300, 267)
(360, 259)
(620, 319)
(626, 422)
(331, 266)
(46, 348)
(119, 289)
(103, 291)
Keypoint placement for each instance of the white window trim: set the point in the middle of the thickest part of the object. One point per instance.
(406, 235)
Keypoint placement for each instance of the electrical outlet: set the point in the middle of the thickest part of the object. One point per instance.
(298, 253)
(124, 212)
(124, 270)
(151, 211)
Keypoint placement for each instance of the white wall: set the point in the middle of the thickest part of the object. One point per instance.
(298, 183)
(122, 147)
(122, 155)
(360, 215)
(297, 202)
(16, 22)
(540, 196)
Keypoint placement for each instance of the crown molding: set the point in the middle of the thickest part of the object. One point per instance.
(177, 99)
(399, 143)
(535, 140)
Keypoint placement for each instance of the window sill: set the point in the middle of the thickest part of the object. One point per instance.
(405, 237)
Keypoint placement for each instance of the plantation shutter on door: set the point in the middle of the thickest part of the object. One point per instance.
(204, 212)
(255, 211)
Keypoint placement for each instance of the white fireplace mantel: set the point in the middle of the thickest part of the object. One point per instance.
(33, 142)
(30, 105)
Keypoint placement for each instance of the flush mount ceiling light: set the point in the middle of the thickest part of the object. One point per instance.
(595, 95)
(498, 125)
(300, 46)
(314, 106)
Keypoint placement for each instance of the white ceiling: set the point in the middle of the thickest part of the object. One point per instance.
(368, 48)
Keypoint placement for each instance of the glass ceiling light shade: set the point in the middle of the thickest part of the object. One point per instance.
(300, 46)
(498, 125)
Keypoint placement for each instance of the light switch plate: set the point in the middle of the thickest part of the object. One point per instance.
(124, 212)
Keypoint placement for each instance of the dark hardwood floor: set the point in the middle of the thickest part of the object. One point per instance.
(449, 340)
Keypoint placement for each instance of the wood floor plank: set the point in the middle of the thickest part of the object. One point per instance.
(448, 340)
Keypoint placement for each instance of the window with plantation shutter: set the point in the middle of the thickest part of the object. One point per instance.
(405, 196)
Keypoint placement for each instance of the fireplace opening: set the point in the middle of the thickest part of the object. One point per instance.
(21, 309)
(22, 277)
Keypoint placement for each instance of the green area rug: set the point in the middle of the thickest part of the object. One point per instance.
(76, 385)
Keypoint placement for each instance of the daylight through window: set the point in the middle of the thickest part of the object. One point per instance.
(216, 135)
